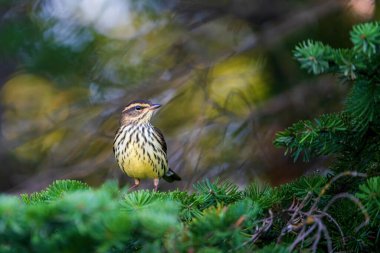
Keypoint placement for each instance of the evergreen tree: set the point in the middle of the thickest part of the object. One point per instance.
(352, 134)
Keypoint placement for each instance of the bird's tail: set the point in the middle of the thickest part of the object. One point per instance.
(171, 176)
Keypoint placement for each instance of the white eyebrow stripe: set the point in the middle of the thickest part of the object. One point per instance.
(134, 105)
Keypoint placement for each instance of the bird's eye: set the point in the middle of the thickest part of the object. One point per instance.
(138, 108)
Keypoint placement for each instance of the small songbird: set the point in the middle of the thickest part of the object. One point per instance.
(140, 148)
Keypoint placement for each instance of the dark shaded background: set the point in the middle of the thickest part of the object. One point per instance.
(222, 69)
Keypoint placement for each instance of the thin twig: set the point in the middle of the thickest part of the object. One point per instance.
(302, 236)
(327, 186)
(336, 224)
(356, 201)
(315, 216)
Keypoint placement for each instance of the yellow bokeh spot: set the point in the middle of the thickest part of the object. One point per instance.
(31, 98)
(36, 146)
(237, 84)
(34, 112)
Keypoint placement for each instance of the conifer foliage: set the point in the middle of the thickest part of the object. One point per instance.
(339, 212)
(69, 216)
(353, 133)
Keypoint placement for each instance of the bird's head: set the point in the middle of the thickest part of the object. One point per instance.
(138, 112)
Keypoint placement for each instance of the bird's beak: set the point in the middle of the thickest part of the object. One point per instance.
(154, 107)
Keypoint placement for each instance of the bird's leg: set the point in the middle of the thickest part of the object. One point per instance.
(155, 183)
(137, 183)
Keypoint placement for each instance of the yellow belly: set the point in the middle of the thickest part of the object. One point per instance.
(142, 162)
(139, 168)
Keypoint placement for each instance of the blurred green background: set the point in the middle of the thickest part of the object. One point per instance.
(223, 71)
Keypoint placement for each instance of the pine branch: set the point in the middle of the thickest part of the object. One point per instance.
(344, 132)
(322, 137)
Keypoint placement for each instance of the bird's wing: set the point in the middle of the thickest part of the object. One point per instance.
(161, 139)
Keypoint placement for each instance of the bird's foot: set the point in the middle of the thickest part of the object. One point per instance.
(137, 183)
(133, 187)
(155, 183)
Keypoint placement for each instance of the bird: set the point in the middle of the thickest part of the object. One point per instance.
(139, 147)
